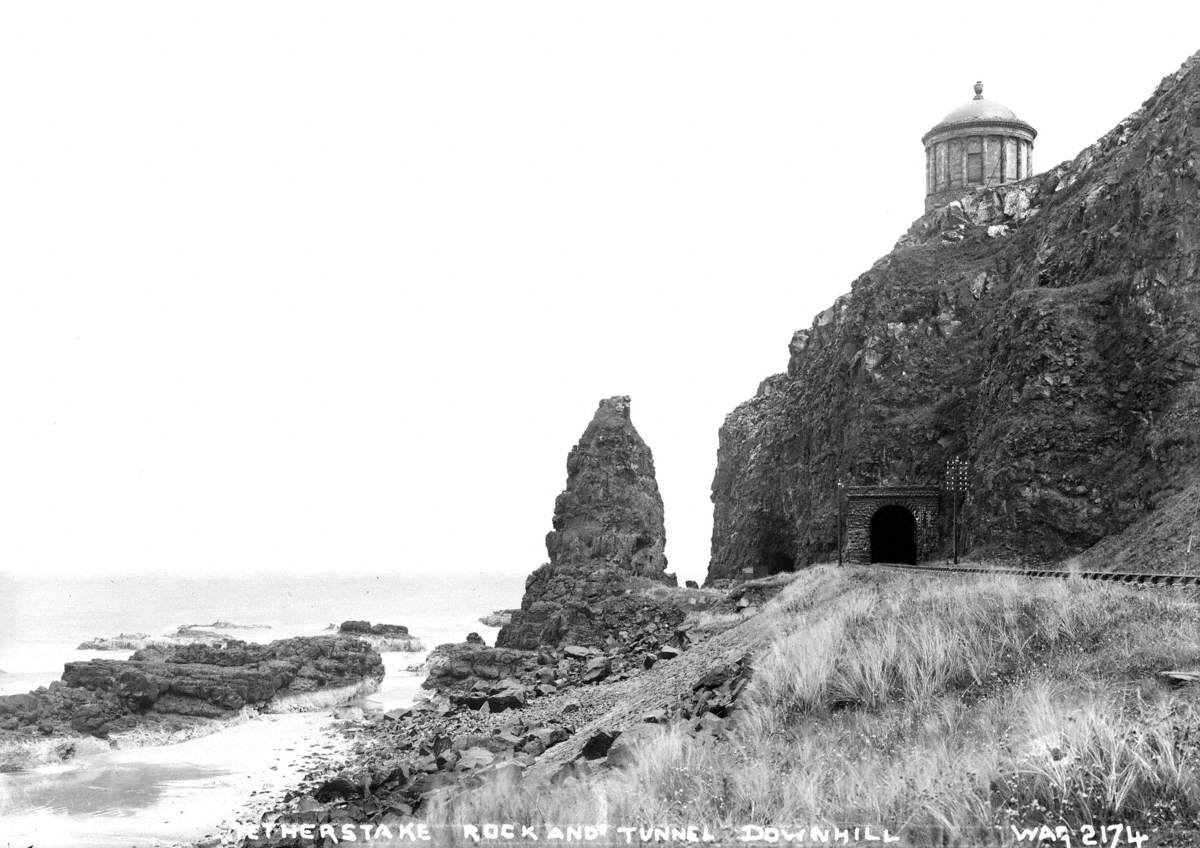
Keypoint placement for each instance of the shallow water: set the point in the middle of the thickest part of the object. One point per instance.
(42, 620)
(161, 795)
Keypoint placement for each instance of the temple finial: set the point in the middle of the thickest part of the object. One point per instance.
(978, 91)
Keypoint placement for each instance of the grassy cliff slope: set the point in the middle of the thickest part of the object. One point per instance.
(947, 709)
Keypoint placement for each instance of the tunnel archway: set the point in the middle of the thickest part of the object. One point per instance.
(893, 535)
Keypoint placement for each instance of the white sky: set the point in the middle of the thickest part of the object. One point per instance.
(337, 286)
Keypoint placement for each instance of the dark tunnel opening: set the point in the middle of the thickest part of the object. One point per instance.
(893, 535)
(778, 562)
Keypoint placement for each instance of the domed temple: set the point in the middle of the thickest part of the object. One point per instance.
(981, 143)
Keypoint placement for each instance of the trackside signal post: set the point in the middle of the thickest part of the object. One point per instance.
(956, 484)
(841, 497)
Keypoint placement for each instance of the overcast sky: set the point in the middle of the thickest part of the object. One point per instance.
(337, 286)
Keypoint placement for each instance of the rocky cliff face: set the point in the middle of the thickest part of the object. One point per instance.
(608, 528)
(1045, 331)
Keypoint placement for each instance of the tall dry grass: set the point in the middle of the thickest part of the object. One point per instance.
(945, 708)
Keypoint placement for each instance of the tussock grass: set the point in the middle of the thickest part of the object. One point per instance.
(689, 600)
(706, 622)
(942, 707)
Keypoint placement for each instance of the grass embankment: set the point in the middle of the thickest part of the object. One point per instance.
(1166, 540)
(942, 707)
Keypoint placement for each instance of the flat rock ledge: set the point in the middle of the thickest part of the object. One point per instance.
(175, 687)
(382, 637)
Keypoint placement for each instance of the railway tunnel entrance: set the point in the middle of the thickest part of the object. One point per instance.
(893, 535)
(891, 523)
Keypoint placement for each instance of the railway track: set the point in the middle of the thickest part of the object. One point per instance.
(1106, 576)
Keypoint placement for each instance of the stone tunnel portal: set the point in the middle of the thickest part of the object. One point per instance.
(891, 523)
(893, 535)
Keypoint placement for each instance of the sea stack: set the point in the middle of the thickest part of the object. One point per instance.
(608, 532)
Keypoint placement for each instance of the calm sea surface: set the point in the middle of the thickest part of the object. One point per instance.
(157, 796)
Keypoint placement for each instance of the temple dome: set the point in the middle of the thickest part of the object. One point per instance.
(981, 143)
(980, 109)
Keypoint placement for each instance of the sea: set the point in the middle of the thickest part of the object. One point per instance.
(163, 795)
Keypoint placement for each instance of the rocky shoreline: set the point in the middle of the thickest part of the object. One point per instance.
(510, 716)
(601, 624)
(166, 693)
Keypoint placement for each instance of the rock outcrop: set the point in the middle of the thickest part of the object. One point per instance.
(121, 642)
(103, 696)
(499, 618)
(451, 667)
(382, 637)
(593, 599)
(214, 634)
(472, 675)
(366, 628)
(1048, 332)
(608, 531)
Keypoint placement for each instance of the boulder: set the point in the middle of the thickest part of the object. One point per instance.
(459, 670)
(336, 789)
(598, 668)
(508, 698)
(475, 758)
(136, 689)
(552, 735)
(533, 746)
(624, 749)
(598, 744)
